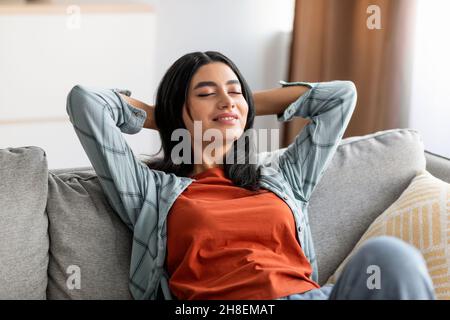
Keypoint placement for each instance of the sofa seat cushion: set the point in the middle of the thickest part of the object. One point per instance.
(24, 240)
(90, 246)
(421, 218)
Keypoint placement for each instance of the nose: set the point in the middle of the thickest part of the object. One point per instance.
(227, 102)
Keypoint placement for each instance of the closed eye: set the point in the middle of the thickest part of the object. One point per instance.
(208, 94)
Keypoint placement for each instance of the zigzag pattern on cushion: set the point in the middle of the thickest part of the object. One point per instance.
(420, 217)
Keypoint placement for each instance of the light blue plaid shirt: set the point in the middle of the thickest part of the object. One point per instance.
(143, 197)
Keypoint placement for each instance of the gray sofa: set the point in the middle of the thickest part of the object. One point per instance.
(60, 239)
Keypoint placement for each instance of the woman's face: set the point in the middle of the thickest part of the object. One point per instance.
(215, 98)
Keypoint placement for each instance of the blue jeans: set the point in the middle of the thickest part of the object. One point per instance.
(384, 268)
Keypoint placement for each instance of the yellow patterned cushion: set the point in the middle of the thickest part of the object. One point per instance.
(421, 217)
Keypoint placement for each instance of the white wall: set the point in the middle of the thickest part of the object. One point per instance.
(430, 106)
(41, 59)
(255, 34)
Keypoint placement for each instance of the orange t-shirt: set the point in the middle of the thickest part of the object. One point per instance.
(227, 242)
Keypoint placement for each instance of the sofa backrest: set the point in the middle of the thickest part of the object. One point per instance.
(24, 242)
(87, 239)
(438, 166)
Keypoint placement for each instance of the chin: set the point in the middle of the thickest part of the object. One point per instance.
(234, 132)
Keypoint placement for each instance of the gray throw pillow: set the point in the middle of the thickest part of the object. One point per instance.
(366, 175)
(90, 247)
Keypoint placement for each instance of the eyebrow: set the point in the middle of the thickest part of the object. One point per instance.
(213, 84)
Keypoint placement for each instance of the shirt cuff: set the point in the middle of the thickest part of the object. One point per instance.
(135, 117)
(291, 110)
(123, 91)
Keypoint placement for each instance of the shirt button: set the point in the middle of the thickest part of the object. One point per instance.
(285, 197)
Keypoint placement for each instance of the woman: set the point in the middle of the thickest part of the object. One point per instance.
(208, 229)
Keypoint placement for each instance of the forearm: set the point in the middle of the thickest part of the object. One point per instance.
(275, 101)
(149, 109)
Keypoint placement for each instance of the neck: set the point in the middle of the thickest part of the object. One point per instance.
(199, 168)
(210, 161)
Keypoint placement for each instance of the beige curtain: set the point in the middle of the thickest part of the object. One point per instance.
(331, 41)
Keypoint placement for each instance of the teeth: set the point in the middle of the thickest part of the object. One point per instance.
(226, 118)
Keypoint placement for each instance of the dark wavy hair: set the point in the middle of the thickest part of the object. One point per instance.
(172, 93)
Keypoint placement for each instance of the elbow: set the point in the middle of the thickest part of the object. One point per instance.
(348, 92)
(76, 98)
(349, 88)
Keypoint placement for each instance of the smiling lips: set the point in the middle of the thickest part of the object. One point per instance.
(226, 118)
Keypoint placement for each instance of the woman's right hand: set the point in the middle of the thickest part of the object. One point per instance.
(149, 109)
